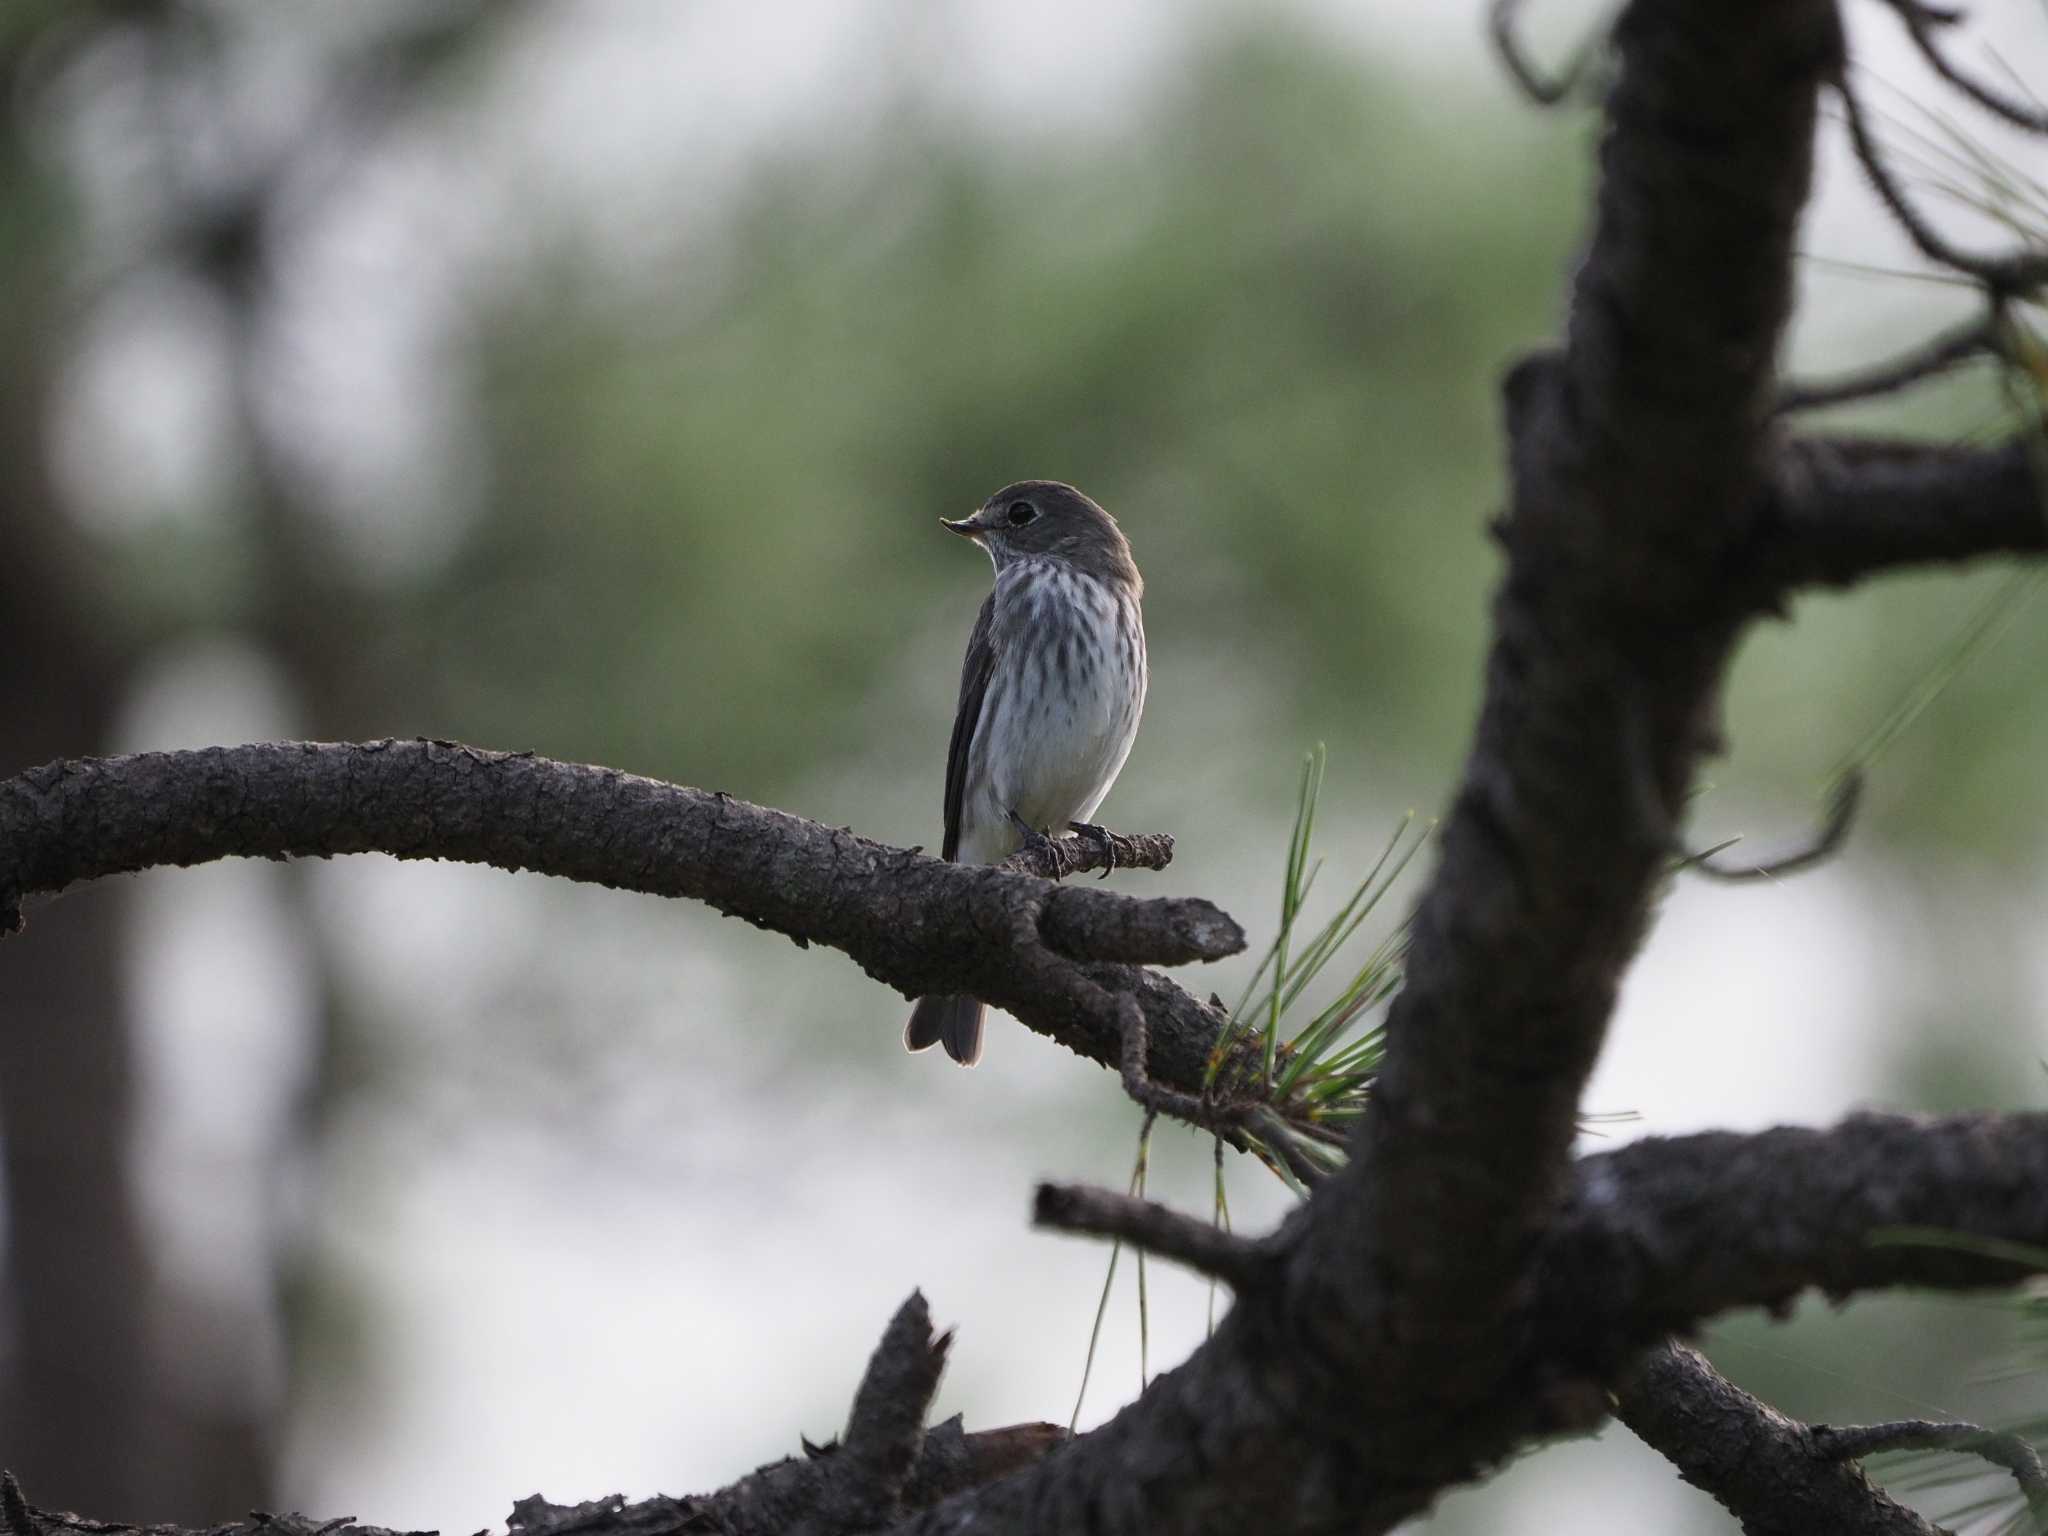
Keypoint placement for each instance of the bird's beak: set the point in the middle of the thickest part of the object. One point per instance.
(966, 527)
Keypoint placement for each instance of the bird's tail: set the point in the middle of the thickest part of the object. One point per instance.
(951, 1020)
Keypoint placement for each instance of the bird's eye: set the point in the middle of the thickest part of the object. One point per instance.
(1020, 513)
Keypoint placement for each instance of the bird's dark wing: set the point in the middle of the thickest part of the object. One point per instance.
(974, 676)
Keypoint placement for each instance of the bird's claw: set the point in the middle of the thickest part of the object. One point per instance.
(1112, 845)
(1034, 840)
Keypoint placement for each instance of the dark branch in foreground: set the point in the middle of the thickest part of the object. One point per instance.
(1670, 1230)
(1046, 953)
(885, 1431)
(889, 1466)
(1840, 510)
(1654, 1237)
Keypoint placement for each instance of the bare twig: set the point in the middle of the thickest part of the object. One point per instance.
(1545, 90)
(1226, 1114)
(1843, 800)
(1208, 1249)
(1154, 1096)
(2003, 274)
(1921, 20)
(1058, 857)
(1940, 353)
(2012, 1452)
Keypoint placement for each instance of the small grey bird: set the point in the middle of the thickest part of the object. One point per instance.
(1050, 696)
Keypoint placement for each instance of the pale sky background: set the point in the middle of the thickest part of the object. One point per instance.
(660, 1304)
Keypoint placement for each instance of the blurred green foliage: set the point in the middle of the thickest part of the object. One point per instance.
(1262, 327)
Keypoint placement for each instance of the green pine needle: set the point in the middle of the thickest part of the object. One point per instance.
(1317, 1063)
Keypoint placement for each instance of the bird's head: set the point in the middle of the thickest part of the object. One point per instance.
(1044, 519)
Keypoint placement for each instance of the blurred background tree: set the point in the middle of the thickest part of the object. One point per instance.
(587, 378)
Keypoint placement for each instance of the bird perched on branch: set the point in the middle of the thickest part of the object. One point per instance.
(1050, 696)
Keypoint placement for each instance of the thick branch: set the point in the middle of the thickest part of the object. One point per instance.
(1043, 952)
(1664, 1232)
(1839, 510)
(1763, 1468)
(1634, 457)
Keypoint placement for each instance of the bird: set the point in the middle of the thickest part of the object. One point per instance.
(1050, 695)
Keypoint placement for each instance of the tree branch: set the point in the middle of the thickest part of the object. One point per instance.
(1634, 458)
(1665, 1232)
(1239, 1262)
(885, 1430)
(1975, 338)
(918, 924)
(796, 1496)
(1839, 510)
(1921, 20)
(1763, 1468)
(2002, 273)
(1502, 17)
(1073, 854)
(1855, 1442)
(1842, 800)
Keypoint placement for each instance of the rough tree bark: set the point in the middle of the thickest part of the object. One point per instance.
(1462, 1287)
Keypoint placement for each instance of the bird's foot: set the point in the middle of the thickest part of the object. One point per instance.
(1115, 848)
(1035, 841)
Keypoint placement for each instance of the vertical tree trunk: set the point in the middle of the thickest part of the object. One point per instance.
(87, 1414)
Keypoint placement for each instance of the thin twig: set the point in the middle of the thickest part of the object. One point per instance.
(1544, 90)
(2011, 272)
(1843, 800)
(1157, 1097)
(1920, 23)
(1054, 858)
(1978, 337)
(2010, 1451)
(1227, 1118)
(1144, 1304)
(1152, 1228)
